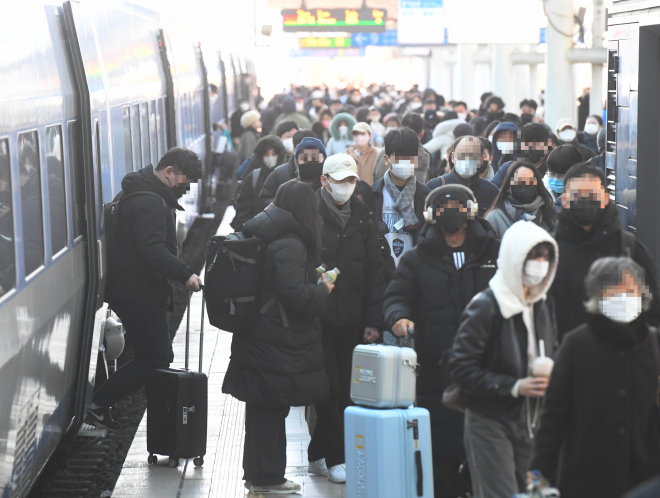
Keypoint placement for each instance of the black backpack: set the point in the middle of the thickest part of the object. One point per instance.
(112, 229)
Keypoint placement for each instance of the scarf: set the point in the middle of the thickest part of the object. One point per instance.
(527, 212)
(404, 200)
(338, 214)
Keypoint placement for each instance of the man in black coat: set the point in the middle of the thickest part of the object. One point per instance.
(353, 315)
(588, 229)
(289, 170)
(454, 260)
(399, 196)
(139, 290)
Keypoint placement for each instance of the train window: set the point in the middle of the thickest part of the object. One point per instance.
(154, 132)
(99, 169)
(135, 125)
(77, 179)
(128, 139)
(144, 130)
(56, 192)
(160, 121)
(30, 180)
(7, 261)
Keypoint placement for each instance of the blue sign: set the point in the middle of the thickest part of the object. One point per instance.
(387, 39)
(542, 40)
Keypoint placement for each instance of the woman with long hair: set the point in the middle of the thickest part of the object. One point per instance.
(522, 197)
(280, 362)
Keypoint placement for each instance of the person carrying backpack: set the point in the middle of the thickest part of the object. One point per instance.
(279, 363)
(146, 264)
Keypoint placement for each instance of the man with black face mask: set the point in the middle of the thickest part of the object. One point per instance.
(588, 229)
(535, 145)
(139, 290)
(454, 261)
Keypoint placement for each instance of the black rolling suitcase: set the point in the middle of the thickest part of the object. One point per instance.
(177, 409)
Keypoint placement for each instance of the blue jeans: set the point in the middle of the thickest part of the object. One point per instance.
(148, 330)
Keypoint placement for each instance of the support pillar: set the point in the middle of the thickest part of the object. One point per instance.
(440, 71)
(559, 93)
(465, 67)
(598, 30)
(501, 72)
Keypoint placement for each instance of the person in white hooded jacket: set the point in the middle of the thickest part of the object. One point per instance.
(495, 361)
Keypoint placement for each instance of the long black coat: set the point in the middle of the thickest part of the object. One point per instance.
(428, 289)
(356, 301)
(147, 243)
(490, 354)
(578, 249)
(599, 426)
(274, 365)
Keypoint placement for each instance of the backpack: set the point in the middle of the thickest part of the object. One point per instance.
(111, 213)
(233, 273)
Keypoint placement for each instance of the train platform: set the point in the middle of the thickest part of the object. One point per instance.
(220, 476)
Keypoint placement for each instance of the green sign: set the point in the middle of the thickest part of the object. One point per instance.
(351, 20)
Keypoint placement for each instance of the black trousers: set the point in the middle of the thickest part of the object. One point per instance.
(148, 330)
(328, 438)
(264, 451)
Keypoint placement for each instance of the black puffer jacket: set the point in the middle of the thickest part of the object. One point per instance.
(281, 174)
(247, 205)
(274, 365)
(490, 354)
(599, 427)
(147, 245)
(429, 290)
(578, 249)
(356, 301)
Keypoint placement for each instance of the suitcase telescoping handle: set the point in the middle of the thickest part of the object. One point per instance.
(201, 333)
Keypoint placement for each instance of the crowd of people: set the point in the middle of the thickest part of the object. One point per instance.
(488, 233)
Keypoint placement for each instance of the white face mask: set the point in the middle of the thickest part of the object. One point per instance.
(415, 105)
(467, 167)
(567, 135)
(361, 140)
(341, 192)
(343, 130)
(535, 272)
(245, 106)
(462, 115)
(403, 169)
(591, 128)
(622, 308)
(288, 145)
(300, 106)
(506, 147)
(270, 161)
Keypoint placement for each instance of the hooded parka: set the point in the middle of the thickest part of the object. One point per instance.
(277, 365)
(337, 144)
(281, 174)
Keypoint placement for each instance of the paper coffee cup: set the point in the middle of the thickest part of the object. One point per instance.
(542, 366)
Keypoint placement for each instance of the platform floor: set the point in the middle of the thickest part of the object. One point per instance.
(220, 477)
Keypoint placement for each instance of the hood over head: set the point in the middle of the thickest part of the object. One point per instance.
(145, 179)
(288, 105)
(506, 126)
(334, 125)
(272, 223)
(507, 284)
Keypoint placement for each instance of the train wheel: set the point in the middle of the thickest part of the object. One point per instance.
(199, 461)
(173, 462)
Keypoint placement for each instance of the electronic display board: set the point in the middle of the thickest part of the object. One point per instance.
(350, 20)
(325, 42)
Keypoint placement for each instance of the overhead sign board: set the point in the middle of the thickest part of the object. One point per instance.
(387, 39)
(421, 22)
(327, 52)
(325, 42)
(351, 20)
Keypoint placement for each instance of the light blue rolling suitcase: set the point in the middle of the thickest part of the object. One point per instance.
(388, 453)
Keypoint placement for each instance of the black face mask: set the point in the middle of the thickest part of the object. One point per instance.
(483, 167)
(584, 211)
(179, 190)
(310, 170)
(524, 194)
(533, 156)
(451, 220)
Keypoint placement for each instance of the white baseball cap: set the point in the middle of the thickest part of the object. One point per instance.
(340, 167)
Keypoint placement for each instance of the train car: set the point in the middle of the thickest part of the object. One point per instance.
(633, 130)
(89, 91)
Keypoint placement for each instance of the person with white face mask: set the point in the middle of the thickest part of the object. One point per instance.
(567, 134)
(468, 157)
(354, 312)
(285, 131)
(399, 196)
(341, 127)
(502, 360)
(603, 392)
(363, 152)
(589, 136)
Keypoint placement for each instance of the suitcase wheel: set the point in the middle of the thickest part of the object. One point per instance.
(199, 461)
(153, 459)
(173, 462)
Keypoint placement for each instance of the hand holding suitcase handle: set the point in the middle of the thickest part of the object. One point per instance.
(403, 327)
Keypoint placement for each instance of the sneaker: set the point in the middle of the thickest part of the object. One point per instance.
(101, 417)
(337, 473)
(318, 468)
(285, 488)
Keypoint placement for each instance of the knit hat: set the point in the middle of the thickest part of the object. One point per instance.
(311, 143)
(249, 118)
(288, 105)
(463, 130)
